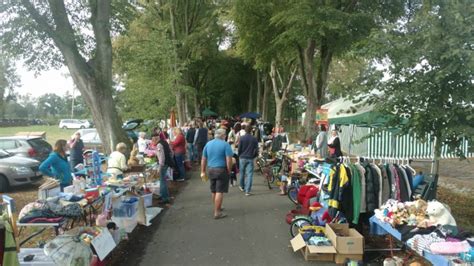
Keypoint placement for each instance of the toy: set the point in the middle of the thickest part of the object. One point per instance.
(439, 214)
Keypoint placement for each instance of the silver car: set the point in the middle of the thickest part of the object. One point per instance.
(17, 170)
(27, 146)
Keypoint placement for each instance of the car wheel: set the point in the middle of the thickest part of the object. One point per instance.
(82, 127)
(3, 184)
(64, 127)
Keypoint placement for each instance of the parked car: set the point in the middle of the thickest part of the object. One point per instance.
(91, 138)
(74, 123)
(33, 147)
(17, 170)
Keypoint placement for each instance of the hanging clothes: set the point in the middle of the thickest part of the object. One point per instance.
(346, 199)
(356, 193)
(371, 187)
(363, 201)
(380, 183)
(338, 181)
(386, 185)
(403, 184)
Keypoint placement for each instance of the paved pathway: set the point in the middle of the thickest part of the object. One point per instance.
(253, 233)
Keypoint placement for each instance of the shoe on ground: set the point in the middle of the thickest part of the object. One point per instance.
(241, 189)
(248, 194)
(180, 180)
(220, 216)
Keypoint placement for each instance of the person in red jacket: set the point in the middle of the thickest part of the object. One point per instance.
(179, 149)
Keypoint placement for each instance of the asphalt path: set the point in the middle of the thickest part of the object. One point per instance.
(253, 233)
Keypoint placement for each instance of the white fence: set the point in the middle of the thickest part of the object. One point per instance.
(389, 144)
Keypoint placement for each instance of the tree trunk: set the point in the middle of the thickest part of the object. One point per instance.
(266, 93)
(186, 107)
(93, 78)
(278, 112)
(250, 106)
(179, 108)
(197, 113)
(259, 94)
(315, 87)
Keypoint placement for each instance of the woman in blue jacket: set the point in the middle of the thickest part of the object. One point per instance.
(57, 165)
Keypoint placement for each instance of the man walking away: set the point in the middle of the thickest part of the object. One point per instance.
(200, 139)
(217, 158)
(248, 150)
(190, 143)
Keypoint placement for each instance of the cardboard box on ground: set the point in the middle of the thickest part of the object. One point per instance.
(346, 244)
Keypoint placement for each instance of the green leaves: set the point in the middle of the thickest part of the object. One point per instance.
(430, 74)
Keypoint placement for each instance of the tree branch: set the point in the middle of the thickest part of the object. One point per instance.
(274, 80)
(41, 21)
(100, 20)
(302, 69)
(290, 83)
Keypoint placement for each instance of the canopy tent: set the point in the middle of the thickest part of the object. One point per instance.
(344, 111)
(208, 113)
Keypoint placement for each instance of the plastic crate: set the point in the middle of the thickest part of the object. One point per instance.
(148, 199)
(127, 223)
(154, 188)
(125, 209)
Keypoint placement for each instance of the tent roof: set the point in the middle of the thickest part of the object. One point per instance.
(208, 112)
(344, 111)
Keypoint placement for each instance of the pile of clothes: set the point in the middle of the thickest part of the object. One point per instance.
(52, 210)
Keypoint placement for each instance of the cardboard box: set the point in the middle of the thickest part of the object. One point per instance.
(312, 253)
(341, 258)
(346, 240)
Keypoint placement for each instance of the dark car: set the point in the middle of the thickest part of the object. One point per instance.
(33, 147)
(17, 170)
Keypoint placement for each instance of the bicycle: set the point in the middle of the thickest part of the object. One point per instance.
(270, 167)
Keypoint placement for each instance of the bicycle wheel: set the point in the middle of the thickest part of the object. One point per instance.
(293, 194)
(268, 176)
(297, 223)
(260, 165)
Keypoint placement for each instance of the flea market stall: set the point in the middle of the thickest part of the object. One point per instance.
(89, 218)
(371, 191)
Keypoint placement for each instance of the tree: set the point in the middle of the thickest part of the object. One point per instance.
(78, 35)
(430, 62)
(8, 81)
(257, 36)
(189, 35)
(319, 31)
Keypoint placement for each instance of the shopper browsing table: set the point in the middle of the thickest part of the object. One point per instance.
(217, 160)
(248, 150)
(57, 166)
(117, 162)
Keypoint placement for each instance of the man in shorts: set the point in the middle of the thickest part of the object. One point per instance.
(217, 159)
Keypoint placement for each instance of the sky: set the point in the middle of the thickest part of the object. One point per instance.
(51, 81)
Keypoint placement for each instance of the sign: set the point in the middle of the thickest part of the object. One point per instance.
(96, 173)
(322, 117)
(103, 243)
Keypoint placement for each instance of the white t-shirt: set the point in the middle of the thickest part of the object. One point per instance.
(142, 144)
(117, 163)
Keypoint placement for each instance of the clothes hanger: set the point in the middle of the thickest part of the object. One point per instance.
(413, 171)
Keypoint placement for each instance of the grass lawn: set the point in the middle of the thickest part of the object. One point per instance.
(53, 133)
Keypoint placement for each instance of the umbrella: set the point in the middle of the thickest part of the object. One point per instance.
(251, 115)
(172, 119)
(68, 250)
(207, 113)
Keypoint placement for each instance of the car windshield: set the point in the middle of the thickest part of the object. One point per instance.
(4, 154)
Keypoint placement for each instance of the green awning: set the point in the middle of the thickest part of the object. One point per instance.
(208, 112)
